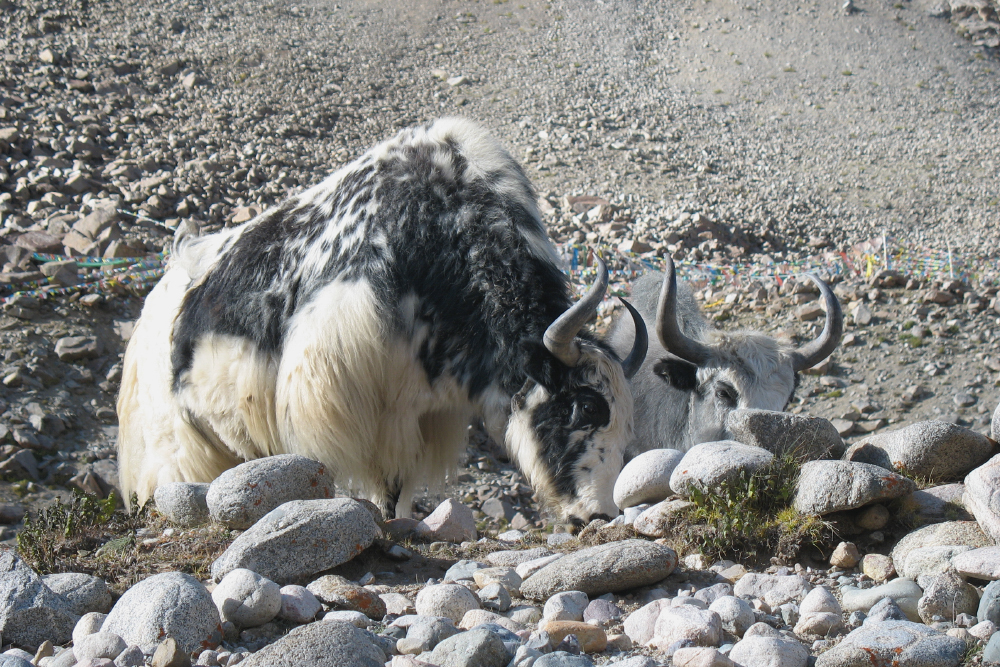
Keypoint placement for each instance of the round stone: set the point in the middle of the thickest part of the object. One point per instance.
(735, 614)
(448, 600)
(298, 605)
(183, 503)
(566, 606)
(646, 478)
(172, 603)
(709, 464)
(247, 599)
(241, 496)
(699, 626)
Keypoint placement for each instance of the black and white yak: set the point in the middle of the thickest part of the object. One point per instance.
(695, 375)
(365, 321)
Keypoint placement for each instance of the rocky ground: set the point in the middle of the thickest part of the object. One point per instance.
(723, 133)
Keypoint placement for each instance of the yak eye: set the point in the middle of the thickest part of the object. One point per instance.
(589, 408)
(727, 394)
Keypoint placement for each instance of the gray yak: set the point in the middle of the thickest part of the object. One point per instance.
(694, 375)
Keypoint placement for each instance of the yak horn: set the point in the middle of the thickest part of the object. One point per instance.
(560, 337)
(816, 351)
(667, 329)
(633, 362)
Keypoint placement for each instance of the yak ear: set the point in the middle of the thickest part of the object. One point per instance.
(679, 373)
(542, 366)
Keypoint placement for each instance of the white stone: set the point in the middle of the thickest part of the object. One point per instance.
(525, 570)
(982, 563)
(566, 606)
(904, 592)
(397, 604)
(298, 605)
(640, 625)
(525, 614)
(819, 613)
(300, 538)
(451, 521)
(702, 627)
(707, 465)
(241, 496)
(699, 656)
(170, 603)
(247, 599)
(85, 592)
(928, 561)
(451, 601)
(769, 652)
(99, 645)
(87, 625)
(775, 590)
(736, 614)
(355, 618)
(646, 478)
(982, 496)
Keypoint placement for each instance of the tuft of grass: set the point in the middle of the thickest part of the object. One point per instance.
(911, 340)
(750, 518)
(96, 537)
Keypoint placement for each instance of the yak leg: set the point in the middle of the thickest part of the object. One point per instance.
(444, 433)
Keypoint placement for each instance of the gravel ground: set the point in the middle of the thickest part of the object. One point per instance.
(782, 127)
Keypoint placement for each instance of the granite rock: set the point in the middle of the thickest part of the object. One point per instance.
(300, 538)
(606, 568)
(241, 496)
(832, 486)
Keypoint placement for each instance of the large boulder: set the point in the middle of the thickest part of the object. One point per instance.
(706, 466)
(932, 449)
(172, 605)
(607, 568)
(782, 432)
(475, 648)
(324, 644)
(894, 643)
(833, 486)
(241, 496)
(85, 592)
(30, 612)
(982, 496)
(769, 651)
(949, 533)
(300, 538)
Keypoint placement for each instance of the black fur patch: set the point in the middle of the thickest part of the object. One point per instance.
(681, 374)
(559, 423)
(436, 234)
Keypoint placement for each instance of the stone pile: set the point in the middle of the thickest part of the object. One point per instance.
(270, 604)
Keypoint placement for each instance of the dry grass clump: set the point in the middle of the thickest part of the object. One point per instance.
(96, 537)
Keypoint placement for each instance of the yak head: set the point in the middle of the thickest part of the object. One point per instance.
(724, 371)
(572, 419)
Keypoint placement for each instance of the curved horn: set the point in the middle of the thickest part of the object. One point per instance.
(559, 337)
(640, 344)
(816, 351)
(667, 330)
